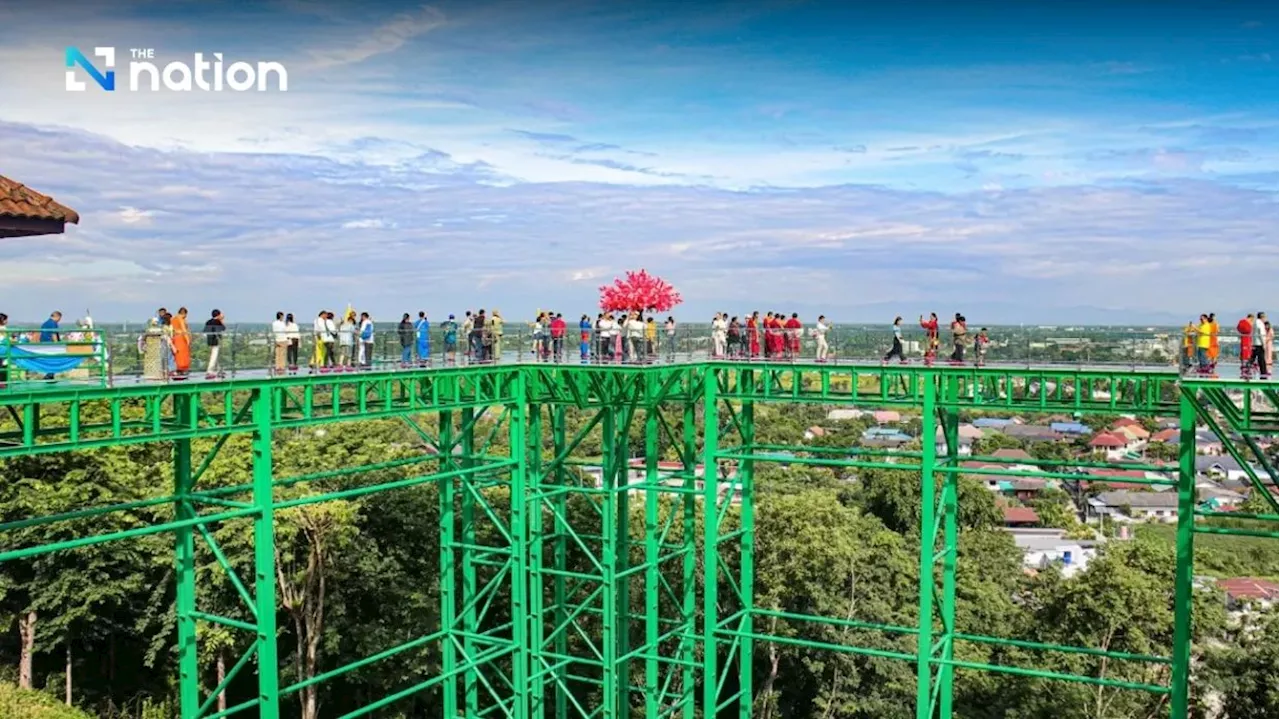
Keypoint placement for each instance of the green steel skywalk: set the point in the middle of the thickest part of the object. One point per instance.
(662, 619)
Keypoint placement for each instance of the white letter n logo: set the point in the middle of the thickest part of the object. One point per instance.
(106, 81)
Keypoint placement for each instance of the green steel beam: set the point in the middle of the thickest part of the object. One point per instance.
(928, 548)
(533, 664)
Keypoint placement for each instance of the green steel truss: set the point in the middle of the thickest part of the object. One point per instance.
(606, 619)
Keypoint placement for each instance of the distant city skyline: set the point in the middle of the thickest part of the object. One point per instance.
(1020, 163)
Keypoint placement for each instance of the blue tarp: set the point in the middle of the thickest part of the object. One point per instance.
(41, 362)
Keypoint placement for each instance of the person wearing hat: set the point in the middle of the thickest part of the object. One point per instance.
(450, 330)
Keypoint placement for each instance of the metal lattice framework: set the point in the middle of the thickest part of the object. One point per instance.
(605, 618)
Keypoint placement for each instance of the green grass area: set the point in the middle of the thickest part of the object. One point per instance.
(1224, 556)
(18, 703)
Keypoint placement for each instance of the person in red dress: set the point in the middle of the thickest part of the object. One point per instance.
(1245, 328)
(767, 324)
(753, 333)
(930, 336)
(793, 335)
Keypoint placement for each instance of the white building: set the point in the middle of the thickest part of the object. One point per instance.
(1046, 547)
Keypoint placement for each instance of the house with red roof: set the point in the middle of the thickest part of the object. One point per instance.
(1245, 592)
(1109, 445)
(1015, 516)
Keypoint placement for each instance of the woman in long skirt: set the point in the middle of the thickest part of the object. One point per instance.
(152, 344)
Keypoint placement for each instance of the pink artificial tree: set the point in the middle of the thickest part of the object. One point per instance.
(639, 292)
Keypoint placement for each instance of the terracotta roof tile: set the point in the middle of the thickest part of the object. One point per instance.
(18, 200)
(1020, 515)
(1106, 439)
(1249, 588)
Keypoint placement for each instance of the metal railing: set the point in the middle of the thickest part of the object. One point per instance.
(150, 355)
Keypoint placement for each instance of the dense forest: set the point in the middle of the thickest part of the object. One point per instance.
(96, 625)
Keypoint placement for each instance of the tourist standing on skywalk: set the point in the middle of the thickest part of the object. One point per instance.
(213, 330)
(1262, 344)
(405, 333)
(1203, 332)
(820, 329)
(422, 328)
(959, 337)
(366, 340)
(280, 338)
(930, 337)
(896, 350)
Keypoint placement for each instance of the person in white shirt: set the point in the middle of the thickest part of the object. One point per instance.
(330, 339)
(820, 335)
(719, 333)
(1261, 343)
(670, 326)
(294, 336)
(602, 350)
(318, 359)
(280, 337)
(347, 339)
(616, 327)
(635, 337)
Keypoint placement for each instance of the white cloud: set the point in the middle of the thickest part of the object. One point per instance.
(585, 274)
(388, 37)
(134, 216)
(851, 252)
(187, 191)
(369, 224)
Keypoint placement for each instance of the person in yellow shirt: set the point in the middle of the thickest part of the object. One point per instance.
(651, 338)
(1188, 345)
(1213, 341)
(1204, 335)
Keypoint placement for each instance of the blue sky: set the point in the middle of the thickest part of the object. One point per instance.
(1018, 162)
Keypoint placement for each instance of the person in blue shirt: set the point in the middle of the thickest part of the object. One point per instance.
(423, 329)
(366, 340)
(584, 337)
(49, 332)
(450, 329)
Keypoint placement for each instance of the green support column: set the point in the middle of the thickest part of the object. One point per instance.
(613, 690)
(448, 571)
(536, 524)
(520, 615)
(652, 586)
(470, 583)
(561, 503)
(612, 549)
(185, 570)
(746, 580)
(928, 542)
(1182, 578)
(710, 533)
(622, 554)
(951, 536)
(689, 568)
(264, 557)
